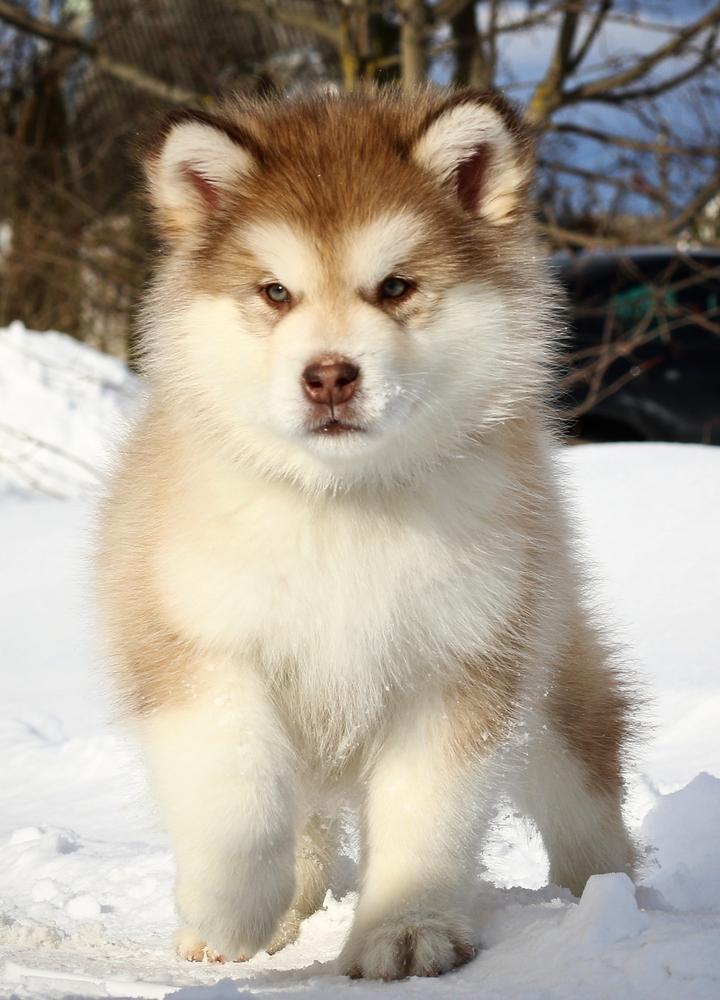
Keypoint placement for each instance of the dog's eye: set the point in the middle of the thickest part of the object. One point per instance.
(276, 294)
(394, 288)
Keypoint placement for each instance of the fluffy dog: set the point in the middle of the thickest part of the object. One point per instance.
(335, 560)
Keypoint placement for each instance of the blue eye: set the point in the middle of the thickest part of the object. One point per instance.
(395, 288)
(276, 293)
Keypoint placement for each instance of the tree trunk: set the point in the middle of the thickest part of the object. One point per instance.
(39, 270)
(348, 51)
(472, 68)
(412, 43)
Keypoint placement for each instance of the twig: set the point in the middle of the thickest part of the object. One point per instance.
(128, 73)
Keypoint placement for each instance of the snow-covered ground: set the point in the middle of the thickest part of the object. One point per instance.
(85, 872)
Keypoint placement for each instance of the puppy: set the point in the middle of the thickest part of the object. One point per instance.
(335, 560)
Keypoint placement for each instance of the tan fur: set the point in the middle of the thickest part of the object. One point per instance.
(156, 663)
(394, 615)
(330, 188)
(592, 708)
(589, 701)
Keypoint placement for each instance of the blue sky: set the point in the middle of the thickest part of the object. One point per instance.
(690, 115)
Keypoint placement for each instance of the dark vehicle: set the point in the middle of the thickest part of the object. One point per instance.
(642, 360)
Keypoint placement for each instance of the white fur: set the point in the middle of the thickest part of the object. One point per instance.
(452, 372)
(201, 149)
(378, 249)
(453, 138)
(419, 856)
(583, 833)
(401, 588)
(287, 255)
(340, 588)
(223, 772)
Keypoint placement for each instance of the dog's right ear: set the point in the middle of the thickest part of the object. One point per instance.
(476, 145)
(193, 165)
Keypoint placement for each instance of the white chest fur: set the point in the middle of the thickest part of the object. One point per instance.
(342, 599)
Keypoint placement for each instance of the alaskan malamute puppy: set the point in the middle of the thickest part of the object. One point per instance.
(335, 562)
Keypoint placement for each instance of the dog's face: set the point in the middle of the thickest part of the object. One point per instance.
(343, 294)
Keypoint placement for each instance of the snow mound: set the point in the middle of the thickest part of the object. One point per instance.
(60, 404)
(607, 912)
(684, 829)
(86, 873)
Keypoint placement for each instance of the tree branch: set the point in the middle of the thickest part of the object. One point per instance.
(568, 237)
(600, 15)
(625, 142)
(11, 14)
(445, 10)
(613, 81)
(693, 207)
(274, 11)
(548, 93)
(662, 86)
(596, 177)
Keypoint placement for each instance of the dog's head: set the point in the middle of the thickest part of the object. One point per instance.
(350, 290)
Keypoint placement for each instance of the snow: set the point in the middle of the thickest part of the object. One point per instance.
(59, 404)
(86, 872)
(607, 912)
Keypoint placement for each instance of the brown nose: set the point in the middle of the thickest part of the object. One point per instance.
(331, 381)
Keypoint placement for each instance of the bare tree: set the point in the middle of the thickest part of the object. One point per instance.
(20, 18)
(628, 136)
(73, 245)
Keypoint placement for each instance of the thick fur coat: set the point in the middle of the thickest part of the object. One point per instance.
(335, 562)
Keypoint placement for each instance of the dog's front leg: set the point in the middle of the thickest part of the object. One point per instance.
(223, 770)
(428, 801)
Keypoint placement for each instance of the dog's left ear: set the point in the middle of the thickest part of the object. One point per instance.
(477, 144)
(192, 166)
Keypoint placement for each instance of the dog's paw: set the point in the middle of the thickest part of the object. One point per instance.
(418, 944)
(192, 948)
(236, 919)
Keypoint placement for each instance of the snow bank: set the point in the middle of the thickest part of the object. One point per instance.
(85, 872)
(60, 404)
(684, 829)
